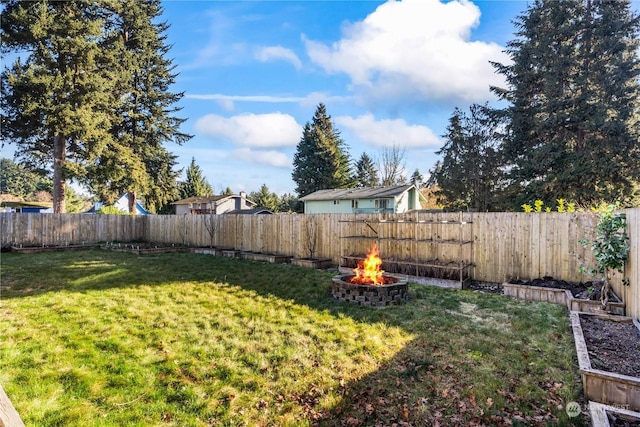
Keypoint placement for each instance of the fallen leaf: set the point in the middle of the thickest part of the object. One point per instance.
(405, 412)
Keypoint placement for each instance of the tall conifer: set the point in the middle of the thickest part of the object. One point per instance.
(470, 176)
(366, 172)
(196, 184)
(57, 97)
(321, 160)
(573, 90)
(139, 164)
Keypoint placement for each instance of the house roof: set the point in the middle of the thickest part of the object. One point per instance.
(199, 199)
(17, 204)
(207, 199)
(358, 193)
(257, 211)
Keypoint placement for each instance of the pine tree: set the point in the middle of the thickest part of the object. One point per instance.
(573, 89)
(195, 184)
(416, 178)
(321, 160)
(469, 176)
(19, 181)
(366, 172)
(266, 199)
(138, 163)
(290, 203)
(57, 105)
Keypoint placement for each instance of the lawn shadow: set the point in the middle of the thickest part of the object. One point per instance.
(25, 275)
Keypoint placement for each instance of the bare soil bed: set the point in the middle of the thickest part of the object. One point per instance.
(613, 346)
(587, 290)
(618, 421)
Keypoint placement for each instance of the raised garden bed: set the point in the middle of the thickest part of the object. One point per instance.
(576, 296)
(208, 251)
(145, 248)
(608, 349)
(612, 416)
(315, 263)
(230, 253)
(272, 258)
(51, 248)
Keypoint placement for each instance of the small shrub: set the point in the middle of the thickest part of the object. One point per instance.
(111, 210)
(610, 247)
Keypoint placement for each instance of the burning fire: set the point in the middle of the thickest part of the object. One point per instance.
(368, 271)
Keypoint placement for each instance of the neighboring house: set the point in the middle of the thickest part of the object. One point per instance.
(393, 199)
(122, 204)
(26, 207)
(213, 204)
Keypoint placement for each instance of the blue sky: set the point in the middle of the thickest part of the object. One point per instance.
(253, 73)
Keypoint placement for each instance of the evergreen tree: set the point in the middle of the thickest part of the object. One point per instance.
(290, 203)
(164, 189)
(416, 178)
(470, 177)
(19, 181)
(321, 160)
(57, 105)
(266, 199)
(574, 94)
(366, 172)
(138, 163)
(196, 184)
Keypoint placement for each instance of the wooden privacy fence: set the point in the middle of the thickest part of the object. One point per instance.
(503, 245)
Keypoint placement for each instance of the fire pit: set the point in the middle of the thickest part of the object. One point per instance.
(369, 285)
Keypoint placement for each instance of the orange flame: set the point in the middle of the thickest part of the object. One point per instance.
(368, 270)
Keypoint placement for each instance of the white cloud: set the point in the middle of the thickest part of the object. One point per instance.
(271, 53)
(313, 98)
(252, 130)
(418, 50)
(263, 157)
(389, 132)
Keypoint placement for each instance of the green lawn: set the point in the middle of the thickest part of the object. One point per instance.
(97, 338)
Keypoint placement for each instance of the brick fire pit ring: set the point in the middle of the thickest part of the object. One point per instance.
(370, 295)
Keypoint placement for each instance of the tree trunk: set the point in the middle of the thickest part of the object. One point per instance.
(604, 292)
(59, 157)
(132, 202)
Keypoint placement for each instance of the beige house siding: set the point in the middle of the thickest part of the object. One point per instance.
(213, 205)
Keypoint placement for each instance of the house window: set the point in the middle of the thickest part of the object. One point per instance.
(336, 202)
(354, 204)
(381, 203)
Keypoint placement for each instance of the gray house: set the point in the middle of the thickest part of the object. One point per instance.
(214, 204)
(392, 199)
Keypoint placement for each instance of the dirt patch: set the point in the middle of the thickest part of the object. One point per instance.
(491, 288)
(620, 421)
(613, 346)
(587, 290)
